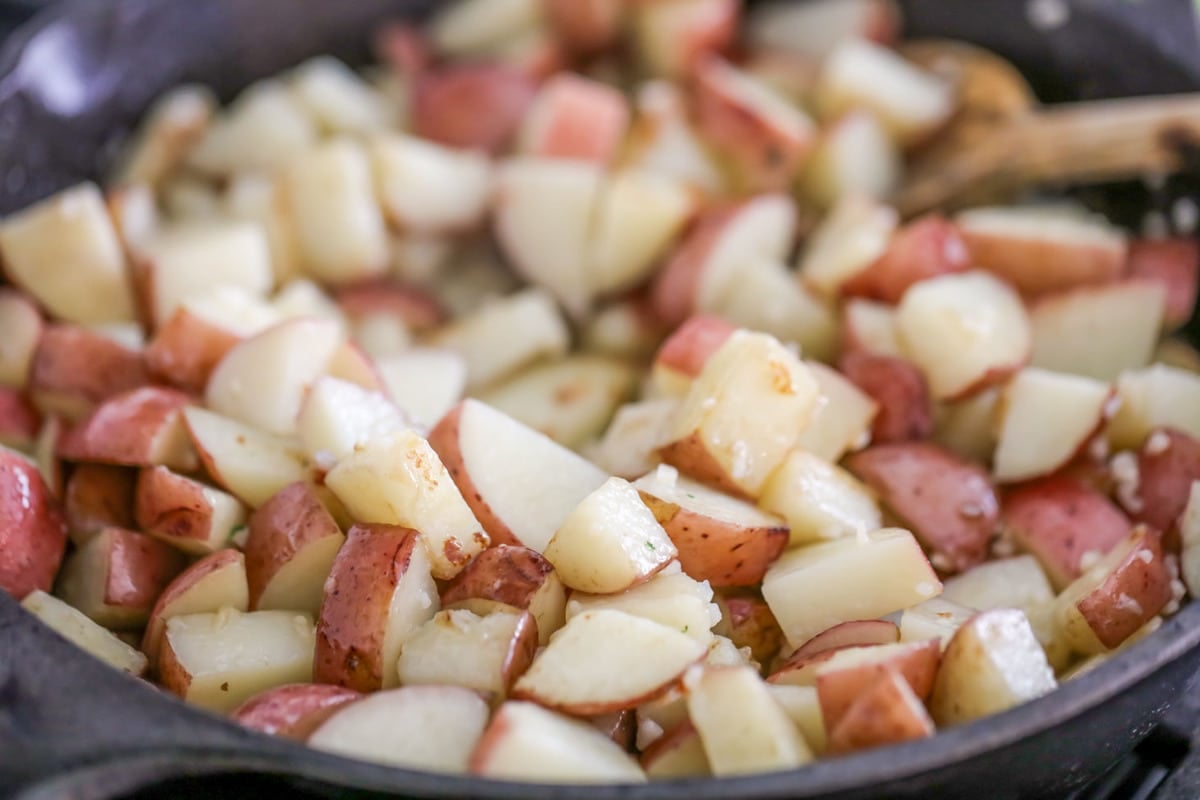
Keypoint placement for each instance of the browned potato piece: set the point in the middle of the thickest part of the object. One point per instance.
(295, 710)
(516, 576)
(948, 503)
(185, 513)
(140, 428)
(290, 547)
(747, 621)
(886, 712)
(98, 496)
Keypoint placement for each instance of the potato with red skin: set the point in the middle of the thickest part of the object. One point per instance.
(418, 309)
(33, 534)
(1168, 462)
(21, 327)
(293, 711)
(1059, 520)
(576, 118)
(98, 496)
(747, 621)
(924, 248)
(855, 633)
(948, 503)
(901, 392)
(839, 685)
(19, 420)
(516, 576)
(886, 712)
(216, 581)
(685, 351)
(1175, 263)
(403, 48)
(75, 368)
(471, 105)
(186, 349)
(586, 26)
(184, 512)
(140, 428)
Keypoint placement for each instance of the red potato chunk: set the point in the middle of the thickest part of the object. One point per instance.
(1167, 464)
(98, 496)
(948, 502)
(924, 248)
(1059, 520)
(472, 105)
(19, 420)
(901, 391)
(1175, 263)
(33, 534)
(75, 368)
(186, 349)
(887, 712)
(140, 428)
(294, 710)
(573, 117)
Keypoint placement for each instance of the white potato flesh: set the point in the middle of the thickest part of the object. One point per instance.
(1017, 582)
(299, 584)
(399, 480)
(638, 216)
(477, 26)
(610, 542)
(855, 156)
(233, 309)
(20, 330)
(251, 464)
(743, 728)
(221, 659)
(813, 588)
(222, 585)
(801, 705)
(526, 742)
(432, 728)
(460, 648)
(424, 382)
(427, 188)
(1189, 533)
(670, 598)
(872, 327)
(336, 416)
(849, 239)
(938, 618)
(842, 419)
(967, 427)
(819, 500)
(631, 441)
(74, 626)
(263, 130)
(1045, 419)
(337, 98)
(763, 228)
(172, 126)
(1155, 397)
(65, 252)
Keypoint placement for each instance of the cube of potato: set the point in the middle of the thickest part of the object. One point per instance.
(336, 416)
(1158, 396)
(427, 188)
(217, 661)
(819, 500)
(185, 513)
(887, 711)
(337, 98)
(459, 648)
(938, 618)
(843, 421)
(251, 464)
(801, 705)
(73, 625)
(670, 598)
(742, 414)
(263, 130)
(630, 444)
(610, 542)
(254, 197)
(859, 577)
(994, 662)
(215, 581)
(65, 253)
(515, 576)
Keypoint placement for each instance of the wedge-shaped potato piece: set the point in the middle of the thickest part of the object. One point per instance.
(172, 126)
(1189, 534)
(924, 248)
(801, 705)
(1060, 520)
(743, 729)
(855, 633)
(399, 480)
(682, 356)
(853, 156)
(570, 400)
(1046, 418)
(74, 369)
(331, 200)
(1168, 463)
(20, 331)
(887, 711)
(506, 334)
(747, 621)
(99, 496)
(994, 662)
(428, 188)
(678, 753)
(186, 348)
(1098, 331)
(965, 331)
(900, 392)
(670, 598)
(742, 414)
(214, 582)
(186, 514)
(842, 421)
(262, 380)
(251, 464)
(379, 592)
(967, 427)
(1175, 265)
(870, 327)
(1042, 249)
(178, 263)
(337, 416)
(433, 728)
(471, 106)
(515, 506)
(852, 237)
(670, 39)
(116, 577)
(860, 577)
(75, 626)
(518, 577)
(948, 503)
(424, 382)
(1158, 396)
(459, 648)
(294, 710)
(663, 140)
(630, 444)
(597, 664)
(264, 129)
(218, 661)
(721, 539)
(938, 619)
(815, 29)
(140, 428)
(1122, 592)
(610, 542)
(849, 674)
(819, 500)
(65, 253)
(574, 117)
(291, 543)
(525, 742)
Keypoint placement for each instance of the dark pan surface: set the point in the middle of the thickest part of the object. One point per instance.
(73, 84)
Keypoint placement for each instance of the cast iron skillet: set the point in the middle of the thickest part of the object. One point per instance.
(72, 84)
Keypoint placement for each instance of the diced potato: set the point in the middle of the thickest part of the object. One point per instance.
(819, 500)
(75, 626)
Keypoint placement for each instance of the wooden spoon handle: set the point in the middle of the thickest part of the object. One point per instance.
(1078, 143)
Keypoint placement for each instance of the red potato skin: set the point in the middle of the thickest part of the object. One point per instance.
(801, 670)
(186, 349)
(838, 690)
(293, 711)
(358, 594)
(33, 533)
(586, 27)
(711, 29)
(1037, 267)
(669, 741)
(584, 120)
(1145, 578)
(75, 368)
(417, 309)
(99, 496)
(900, 391)
(279, 529)
(403, 47)
(1168, 463)
(183, 582)
(621, 727)
(688, 349)
(948, 503)
(885, 713)
(925, 248)
(19, 420)
(691, 456)
(1059, 519)
(509, 574)
(171, 505)
(125, 429)
(472, 106)
(139, 569)
(673, 294)
(1175, 263)
(855, 633)
(748, 622)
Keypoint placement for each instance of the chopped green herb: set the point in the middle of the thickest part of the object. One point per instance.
(689, 494)
(235, 532)
(650, 545)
